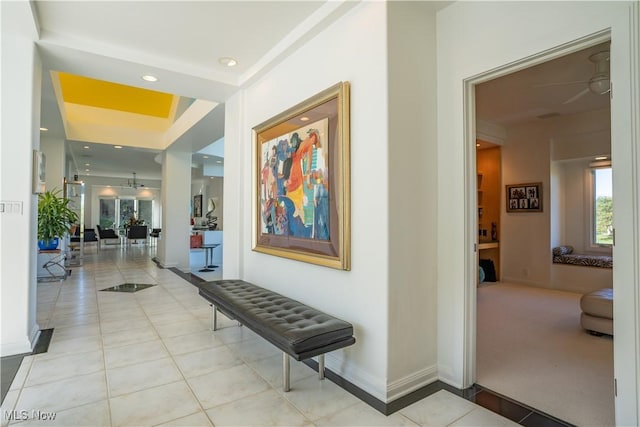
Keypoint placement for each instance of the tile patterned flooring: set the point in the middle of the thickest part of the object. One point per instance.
(149, 359)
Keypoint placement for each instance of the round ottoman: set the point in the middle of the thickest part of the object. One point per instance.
(597, 311)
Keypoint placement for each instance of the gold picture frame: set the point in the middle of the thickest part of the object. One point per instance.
(302, 175)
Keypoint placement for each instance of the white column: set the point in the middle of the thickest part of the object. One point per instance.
(173, 248)
(235, 189)
(21, 73)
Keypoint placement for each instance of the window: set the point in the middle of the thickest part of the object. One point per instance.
(145, 211)
(602, 213)
(125, 208)
(107, 213)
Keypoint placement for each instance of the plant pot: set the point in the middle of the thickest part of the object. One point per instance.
(48, 245)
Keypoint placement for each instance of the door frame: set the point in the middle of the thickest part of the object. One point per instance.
(626, 404)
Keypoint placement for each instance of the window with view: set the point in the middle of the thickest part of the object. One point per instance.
(115, 212)
(602, 224)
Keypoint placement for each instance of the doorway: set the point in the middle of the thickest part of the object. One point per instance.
(525, 241)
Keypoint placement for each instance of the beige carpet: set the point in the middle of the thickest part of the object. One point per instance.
(530, 347)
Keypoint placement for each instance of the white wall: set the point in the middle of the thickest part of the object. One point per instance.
(512, 31)
(412, 189)
(235, 187)
(352, 49)
(525, 241)
(527, 156)
(574, 186)
(173, 248)
(20, 84)
(53, 149)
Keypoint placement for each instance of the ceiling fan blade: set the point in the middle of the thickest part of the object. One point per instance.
(561, 83)
(577, 96)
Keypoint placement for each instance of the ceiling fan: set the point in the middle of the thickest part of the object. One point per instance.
(599, 83)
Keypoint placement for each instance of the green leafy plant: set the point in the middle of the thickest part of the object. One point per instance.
(54, 215)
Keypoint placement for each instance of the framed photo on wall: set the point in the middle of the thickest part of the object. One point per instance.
(524, 197)
(197, 205)
(302, 191)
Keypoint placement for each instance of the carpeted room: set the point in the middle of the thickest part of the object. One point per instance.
(530, 343)
(532, 348)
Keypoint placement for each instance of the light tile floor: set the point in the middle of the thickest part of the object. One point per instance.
(149, 359)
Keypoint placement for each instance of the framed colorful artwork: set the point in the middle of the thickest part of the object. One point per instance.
(302, 194)
(524, 197)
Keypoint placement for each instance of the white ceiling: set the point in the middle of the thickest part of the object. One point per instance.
(541, 90)
(181, 41)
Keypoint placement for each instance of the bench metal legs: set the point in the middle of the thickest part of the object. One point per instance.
(321, 367)
(214, 318)
(286, 367)
(286, 371)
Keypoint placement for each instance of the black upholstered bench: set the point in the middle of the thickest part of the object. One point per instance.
(298, 330)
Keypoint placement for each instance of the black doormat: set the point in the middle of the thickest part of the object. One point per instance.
(128, 287)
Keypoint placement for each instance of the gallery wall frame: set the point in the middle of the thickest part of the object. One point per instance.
(39, 175)
(302, 181)
(524, 197)
(197, 205)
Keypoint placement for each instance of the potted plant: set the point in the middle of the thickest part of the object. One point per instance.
(54, 219)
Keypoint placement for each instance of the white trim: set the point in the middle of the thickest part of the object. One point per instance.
(413, 382)
(627, 303)
(471, 255)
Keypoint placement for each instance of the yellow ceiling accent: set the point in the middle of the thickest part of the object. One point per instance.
(114, 96)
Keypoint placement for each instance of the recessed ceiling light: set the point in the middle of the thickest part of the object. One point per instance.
(228, 62)
(86, 147)
(87, 164)
(304, 119)
(601, 158)
(117, 146)
(44, 129)
(205, 157)
(218, 161)
(87, 170)
(477, 145)
(149, 78)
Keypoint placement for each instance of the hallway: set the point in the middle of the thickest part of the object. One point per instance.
(149, 358)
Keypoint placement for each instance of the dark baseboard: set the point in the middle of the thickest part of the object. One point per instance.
(502, 405)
